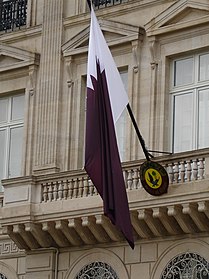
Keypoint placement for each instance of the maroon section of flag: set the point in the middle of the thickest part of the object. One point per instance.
(102, 161)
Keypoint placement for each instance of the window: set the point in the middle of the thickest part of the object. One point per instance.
(121, 126)
(187, 266)
(11, 135)
(106, 3)
(190, 102)
(12, 14)
(97, 270)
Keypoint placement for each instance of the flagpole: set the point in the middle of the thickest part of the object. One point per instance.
(141, 140)
(89, 4)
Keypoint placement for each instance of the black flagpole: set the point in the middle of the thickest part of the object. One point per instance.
(89, 3)
(141, 140)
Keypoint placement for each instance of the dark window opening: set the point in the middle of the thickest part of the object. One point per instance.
(106, 3)
(13, 14)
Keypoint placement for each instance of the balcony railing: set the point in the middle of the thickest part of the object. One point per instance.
(64, 209)
(13, 14)
(182, 168)
(106, 3)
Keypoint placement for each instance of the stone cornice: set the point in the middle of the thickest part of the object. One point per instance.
(113, 11)
(21, 34)
(181, 15)
(19, 58)
(120, 34)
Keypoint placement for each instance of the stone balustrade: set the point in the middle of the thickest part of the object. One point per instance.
(64, 208)
(181, 168)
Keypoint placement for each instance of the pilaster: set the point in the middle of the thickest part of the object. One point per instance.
(47, 103)
(136, 54)
(153, 44)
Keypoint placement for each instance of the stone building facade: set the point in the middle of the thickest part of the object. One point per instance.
(52, 223)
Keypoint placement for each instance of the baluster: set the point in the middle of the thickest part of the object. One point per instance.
(201, 168)
(176, 172)
(75, 189)
(189, 170)
(60, 190)
(182, 171)
(171, 173)
(195, 169)
(50, 192)
(55, 191)
(65, 189)
(129, 179)
(135, 179)
(95, 189)
(125, 178)
(91, 187)
(86, 187)
(70, 183)
(45, 192)
(80, 187)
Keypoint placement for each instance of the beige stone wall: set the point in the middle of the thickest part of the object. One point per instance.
(47, 60)
(12, 259)
(69, 89)
(148, 259)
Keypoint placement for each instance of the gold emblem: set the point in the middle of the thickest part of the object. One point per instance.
(153, 178)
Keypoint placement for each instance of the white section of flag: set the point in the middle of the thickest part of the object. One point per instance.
(98, 50)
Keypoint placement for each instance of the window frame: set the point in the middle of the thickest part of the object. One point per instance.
(193, 87)
(8, 126)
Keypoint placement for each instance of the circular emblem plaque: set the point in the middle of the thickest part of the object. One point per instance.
(154, 178)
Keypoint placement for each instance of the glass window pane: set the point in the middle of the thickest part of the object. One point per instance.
(2, 154)
(120, 129)
(204, 67)
(17, 107)
(183, 72)
(3, 110)
(183, 122)
(124, 77)
(15, 151)
(120, 126)
(203, 127)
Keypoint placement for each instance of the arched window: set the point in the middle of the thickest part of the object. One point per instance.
(96, 270)
(186, 266)
(2, 276)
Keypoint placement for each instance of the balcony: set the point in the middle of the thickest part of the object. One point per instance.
(64, 209)
(13, 14)
(106, 3)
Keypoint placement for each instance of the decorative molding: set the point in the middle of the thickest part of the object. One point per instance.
(18, 58)
(120, 33)
(32, 79)
(69, 67)
(9, 248)
(153, 51)
(136, 55)
(182, 14)
(98, 255)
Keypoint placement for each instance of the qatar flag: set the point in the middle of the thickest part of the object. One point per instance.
(106, 100)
